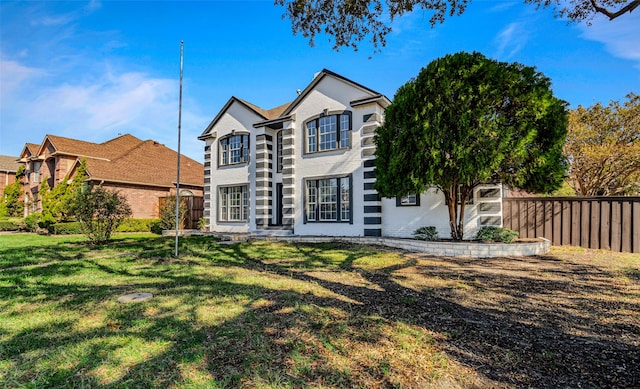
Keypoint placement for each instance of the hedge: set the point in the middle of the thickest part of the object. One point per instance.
(127, 225)
(8, 225)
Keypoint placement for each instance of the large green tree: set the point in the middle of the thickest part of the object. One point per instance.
(348, 22)
(603, 148)
(465, 120)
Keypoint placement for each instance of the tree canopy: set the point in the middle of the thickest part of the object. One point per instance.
(351, 21)
(603, 148)
(466, 120)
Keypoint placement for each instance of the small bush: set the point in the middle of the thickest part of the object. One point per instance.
(496, 234)
(156, 226)
(70, 228)
(426, 233)
(136, 225)
(32, 222)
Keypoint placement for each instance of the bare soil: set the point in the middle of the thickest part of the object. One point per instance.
(567, 319)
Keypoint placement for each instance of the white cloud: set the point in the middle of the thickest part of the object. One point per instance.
(13, 74)
(619, 36)
(115, 103)
(511, 40)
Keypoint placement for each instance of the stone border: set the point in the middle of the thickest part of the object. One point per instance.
(447, 249)
(466, 249)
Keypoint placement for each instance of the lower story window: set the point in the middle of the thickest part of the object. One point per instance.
(233, 203)
(328, 200)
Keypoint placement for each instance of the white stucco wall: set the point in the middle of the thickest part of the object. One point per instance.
(238, 118)
(333, 95)
(401, 222)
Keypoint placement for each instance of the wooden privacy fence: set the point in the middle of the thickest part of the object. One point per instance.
(610, 223)
(195, 209)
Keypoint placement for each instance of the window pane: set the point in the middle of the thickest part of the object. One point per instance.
(223, 152)
(245, 203)
(311, 136)
(223, 204)
(409, 200)
(235, 149)
(328, 193)
(345, 214)
(312, 200)
(245, 148)
(279, 156)
(328, 132)
(234, 203)
(344, 131)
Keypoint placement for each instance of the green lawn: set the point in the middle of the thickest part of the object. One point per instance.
(259, 314)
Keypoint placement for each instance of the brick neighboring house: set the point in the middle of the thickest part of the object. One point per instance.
(143, 171)
(8, 168)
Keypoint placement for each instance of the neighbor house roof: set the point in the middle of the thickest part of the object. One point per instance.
(127, 159)
(148, 163)
(29, 150)
(8, 163)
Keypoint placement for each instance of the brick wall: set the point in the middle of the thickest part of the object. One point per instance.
(143, 200)
(6, 178)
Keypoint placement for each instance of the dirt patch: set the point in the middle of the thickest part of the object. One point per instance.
(568, 319)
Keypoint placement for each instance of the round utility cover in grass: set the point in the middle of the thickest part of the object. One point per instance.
(134, 297)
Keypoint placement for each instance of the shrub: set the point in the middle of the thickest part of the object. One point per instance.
(100, 212)
(168, 213)
(156, 226)
(202, 224)
(32, 222)
(69, 228)
(426, 233)
(136, 225)
(496, 234)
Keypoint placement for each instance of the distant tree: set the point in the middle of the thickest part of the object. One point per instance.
(11, 202)
(349, 22)
(466, 120)
(603, 148)
(56, 202)
(99, 212)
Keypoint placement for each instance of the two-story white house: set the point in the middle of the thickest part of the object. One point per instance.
(308, 168)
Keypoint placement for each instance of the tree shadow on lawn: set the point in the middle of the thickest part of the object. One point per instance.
(286, 336)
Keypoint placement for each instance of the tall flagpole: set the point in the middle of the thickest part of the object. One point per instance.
(179, 128)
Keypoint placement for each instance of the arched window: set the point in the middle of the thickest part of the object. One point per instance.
(328, 132)
(233, 149)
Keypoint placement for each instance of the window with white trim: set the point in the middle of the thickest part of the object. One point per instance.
(328, 132)
(233, 203)
(469, 199)
(233, 149)
(328, 200)
(409, 200)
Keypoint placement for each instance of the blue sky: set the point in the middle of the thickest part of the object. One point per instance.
(92, 70)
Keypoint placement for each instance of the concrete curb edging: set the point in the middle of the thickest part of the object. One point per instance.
(465, 249)
(447, 249)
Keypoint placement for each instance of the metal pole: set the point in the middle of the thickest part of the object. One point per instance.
(179, 128)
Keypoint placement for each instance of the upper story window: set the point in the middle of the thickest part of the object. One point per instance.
(328, 132)
(234, 149)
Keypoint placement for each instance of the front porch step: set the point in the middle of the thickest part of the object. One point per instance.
(273, 231)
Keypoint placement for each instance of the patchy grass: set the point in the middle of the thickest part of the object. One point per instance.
(276, 315)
